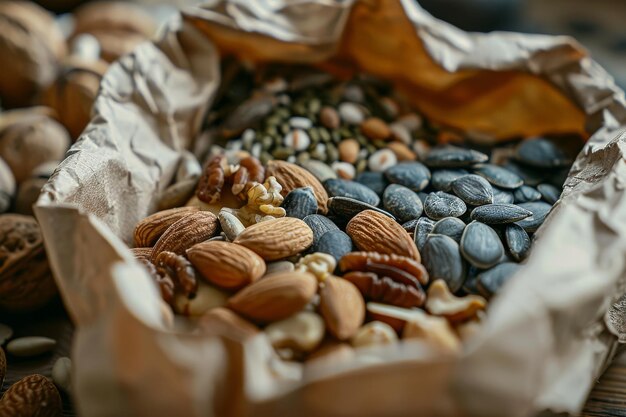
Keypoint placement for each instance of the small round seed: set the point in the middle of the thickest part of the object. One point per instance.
(539, 210)
(413, 175)
(351, 113)
(349, 150)
(450, 226)
(381, 160)
(297, 139)
(30, 346)
(480, 245)
(344, 170)
(499, 176)
(489, 282)
(526, 194)
(518, 241)
(439, 205)
(473, 189)
(500, 213)
(549, 192)
(403, 203)
(442, 258)
(423, 228)
(300, 123)
(351, 189)
(442, 178)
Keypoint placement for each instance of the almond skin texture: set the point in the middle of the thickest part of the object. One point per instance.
(275, 297)
(148, 231)
(278, 238)
(342, 306)
(291, 176)
(227, 265)
(374, 232)
(186, 232)
(31, 396)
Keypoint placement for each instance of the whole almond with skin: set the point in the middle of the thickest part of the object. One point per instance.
(375, 129)
(148, 230)
(342, 306)
(226, 264)
(278, 238)
(291, 176)
(374, 232)
(274, 297)
(186, 232)
(31, 396)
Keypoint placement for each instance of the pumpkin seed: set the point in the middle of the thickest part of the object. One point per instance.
(549, 193)
(453, 157)
(439, 205)
(450, 226)
(335, 243)
(300, 202)
(530, 175)
(473, 189)
(442, 178)
(347, 208)
(319, 225)
(442, 258)
(413, 175)
(30, 346)
(351, 189)
(376, 181)
(410, 225)
(499, 176)
(541, 153)
(480, 245)
(500, 213)
(423, 228)
(526, 194)
(539, 210)
(518, 241)
(502, 196)
(489, 282)
(470, 286)
(403, 203)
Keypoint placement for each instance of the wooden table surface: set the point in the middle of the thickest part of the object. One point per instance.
(608, 398)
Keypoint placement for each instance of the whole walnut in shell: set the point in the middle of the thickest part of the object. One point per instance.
(31, 45)
(29, 139)
(118, 26)
(25, 279)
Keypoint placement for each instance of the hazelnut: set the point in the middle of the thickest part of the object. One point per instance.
(31, 45)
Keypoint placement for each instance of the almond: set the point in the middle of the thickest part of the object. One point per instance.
(374, 232)
(342, 306)
(277, 238)
(226, 264)
(403, 152)
(186, 232)
(33, 395)
(274, 297)
(148, 231)
(291, 176)
(349, 150)
(375, 129)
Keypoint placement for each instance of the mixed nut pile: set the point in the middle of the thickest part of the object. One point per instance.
(329, 215)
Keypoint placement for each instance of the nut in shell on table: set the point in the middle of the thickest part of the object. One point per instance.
(31, 46)
(118, 26)
(26, 282)
(30, 137)
(34, 395)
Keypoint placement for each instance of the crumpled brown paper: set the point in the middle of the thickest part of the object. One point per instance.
(546, 336)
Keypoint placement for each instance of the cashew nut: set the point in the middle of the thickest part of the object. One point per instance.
(206, 298)
(301, 332)
(441, 302)
(434, 331)
(374, 333)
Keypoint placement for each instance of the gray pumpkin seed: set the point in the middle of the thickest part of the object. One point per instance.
(442, 178)
(335, 243)
(473, 189)
(450, 226)
(319, 225)
(403, 203)
(6, 333)
(300, 202)
(346, 208)
(376, 181)
(549, 193)
(439, 205)
(526, 194)
(502, 196)
(351, 189)
(499, 213)
(490, 281)
(541, 153)
(480, 245)
(442, 258)
(530, 175)
(413, 175)
(453, 157)
(30, 346)
(423, 228)
(499, 176)
(62, 374)
(423, 196)
(410, 225)
(319, 169)
(539, 211)
(518, 241)
(470, 286)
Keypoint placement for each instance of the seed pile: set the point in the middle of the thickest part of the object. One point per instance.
(276, 237)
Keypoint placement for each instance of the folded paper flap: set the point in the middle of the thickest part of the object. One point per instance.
(545, 327)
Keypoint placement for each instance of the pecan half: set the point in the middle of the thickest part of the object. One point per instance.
(212, 180)
(358, 261)
(386, 290)
(182, 271)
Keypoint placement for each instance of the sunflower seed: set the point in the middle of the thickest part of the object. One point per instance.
(231, 225)
(549, 192)
(442, 258)
(541, 153)
(319, 225)
(347, 208)
(403, 203)
(518, 241)
(499, 213)
(300, 202)
(5, 333)
(526, 194)
(439, 205)
(442, 178)
(410, 225)
(530, 175)
(351, 189)
(423, 228)
(490, 281)
(539, 211)
(30, 346)
(473, 189)
(499, 176)
(502, 196)
(335, 243)
(376, 181)
(319, 169)
(480, 245)
(450, 226)
(470, 285)
(453, 157)
(413, 175)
